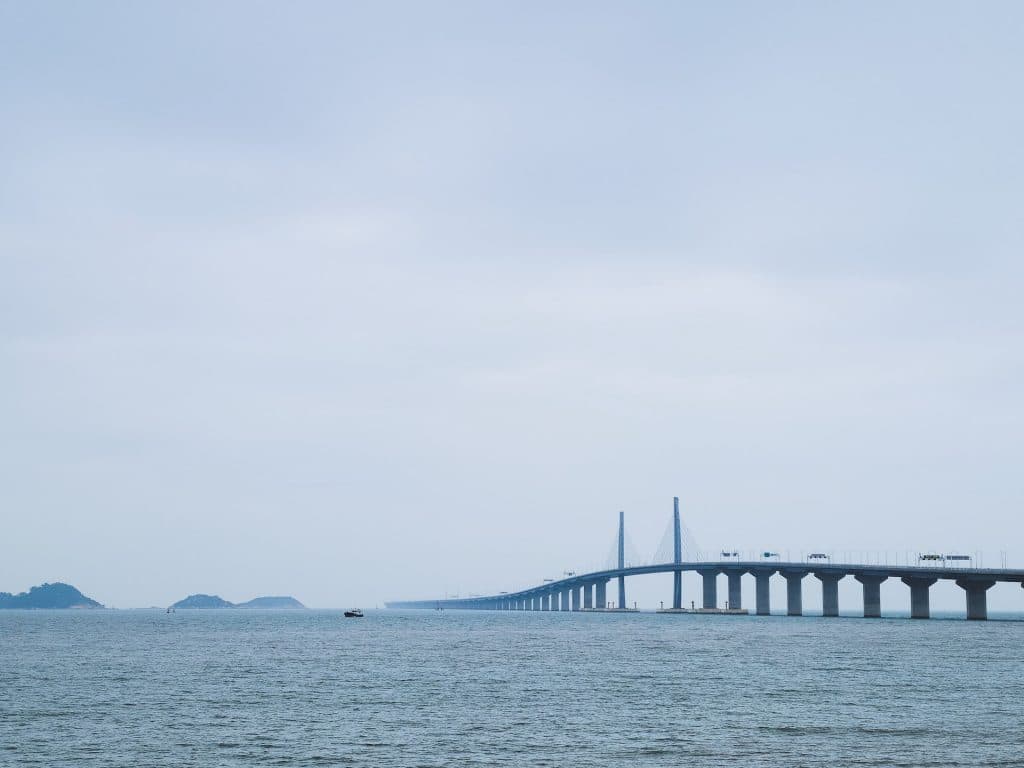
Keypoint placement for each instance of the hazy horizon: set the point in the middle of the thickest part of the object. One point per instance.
(362, 302)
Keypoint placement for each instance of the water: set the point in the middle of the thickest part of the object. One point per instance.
(253, 688)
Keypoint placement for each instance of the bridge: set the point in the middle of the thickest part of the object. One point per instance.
(589, 591)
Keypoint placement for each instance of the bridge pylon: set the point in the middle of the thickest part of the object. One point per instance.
(622, 558)
(677, 556)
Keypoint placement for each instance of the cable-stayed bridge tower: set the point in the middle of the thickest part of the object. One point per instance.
(677, 556)
(622, 559)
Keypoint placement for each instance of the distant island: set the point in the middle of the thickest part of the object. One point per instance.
(216, 601)
(56, 595)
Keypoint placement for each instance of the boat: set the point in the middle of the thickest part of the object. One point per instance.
(355, 613)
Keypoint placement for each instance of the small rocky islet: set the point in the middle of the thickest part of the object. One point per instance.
(216, 601)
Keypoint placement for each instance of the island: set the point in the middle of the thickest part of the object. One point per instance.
(216, 601)
(56, 595)
(277, 603)
(203, 601)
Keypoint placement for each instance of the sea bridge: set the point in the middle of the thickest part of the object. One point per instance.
(589, 591)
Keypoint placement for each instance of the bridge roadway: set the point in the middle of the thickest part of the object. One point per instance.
(589, 591)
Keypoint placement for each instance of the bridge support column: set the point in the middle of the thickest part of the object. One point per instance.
(677, 589)
(575, 598)
(565, 599)
(735, 592)
(588, 596)
(977, 597)
(622, 592)
(762, 582)
(872, 593)
(919, 608)
(794, 592)
(601, 594)
(829, 592)
(710, 580)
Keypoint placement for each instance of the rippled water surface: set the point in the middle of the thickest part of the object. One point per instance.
(252, 688)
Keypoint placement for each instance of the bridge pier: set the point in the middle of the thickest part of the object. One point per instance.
(919, 608)
(710, 577)
(829, 592)
(794, 592)
(575, 592)
(735, 591)
(762, 591)
(977, 597)
(677, 589)
(601, 594)
(872, 593)
(588, 596)
(565, 599)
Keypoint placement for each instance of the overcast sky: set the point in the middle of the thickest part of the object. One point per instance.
(365, 301)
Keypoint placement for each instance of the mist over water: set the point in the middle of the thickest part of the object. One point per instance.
(225, 688)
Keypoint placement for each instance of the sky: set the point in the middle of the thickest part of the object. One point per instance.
(370, 301)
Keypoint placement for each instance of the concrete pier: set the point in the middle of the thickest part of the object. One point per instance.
(710, 577)
(829, 593)
(794, 592)
(735, 591)
(919, 606)
(872, 593)
(601, 594)
(588, 596)
(977, 596)
(575, 592)
(762, 592)
(565, 599)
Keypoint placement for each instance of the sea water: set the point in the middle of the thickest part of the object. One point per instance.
(310, 688)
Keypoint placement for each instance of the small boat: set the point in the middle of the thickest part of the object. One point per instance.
(355, 613)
